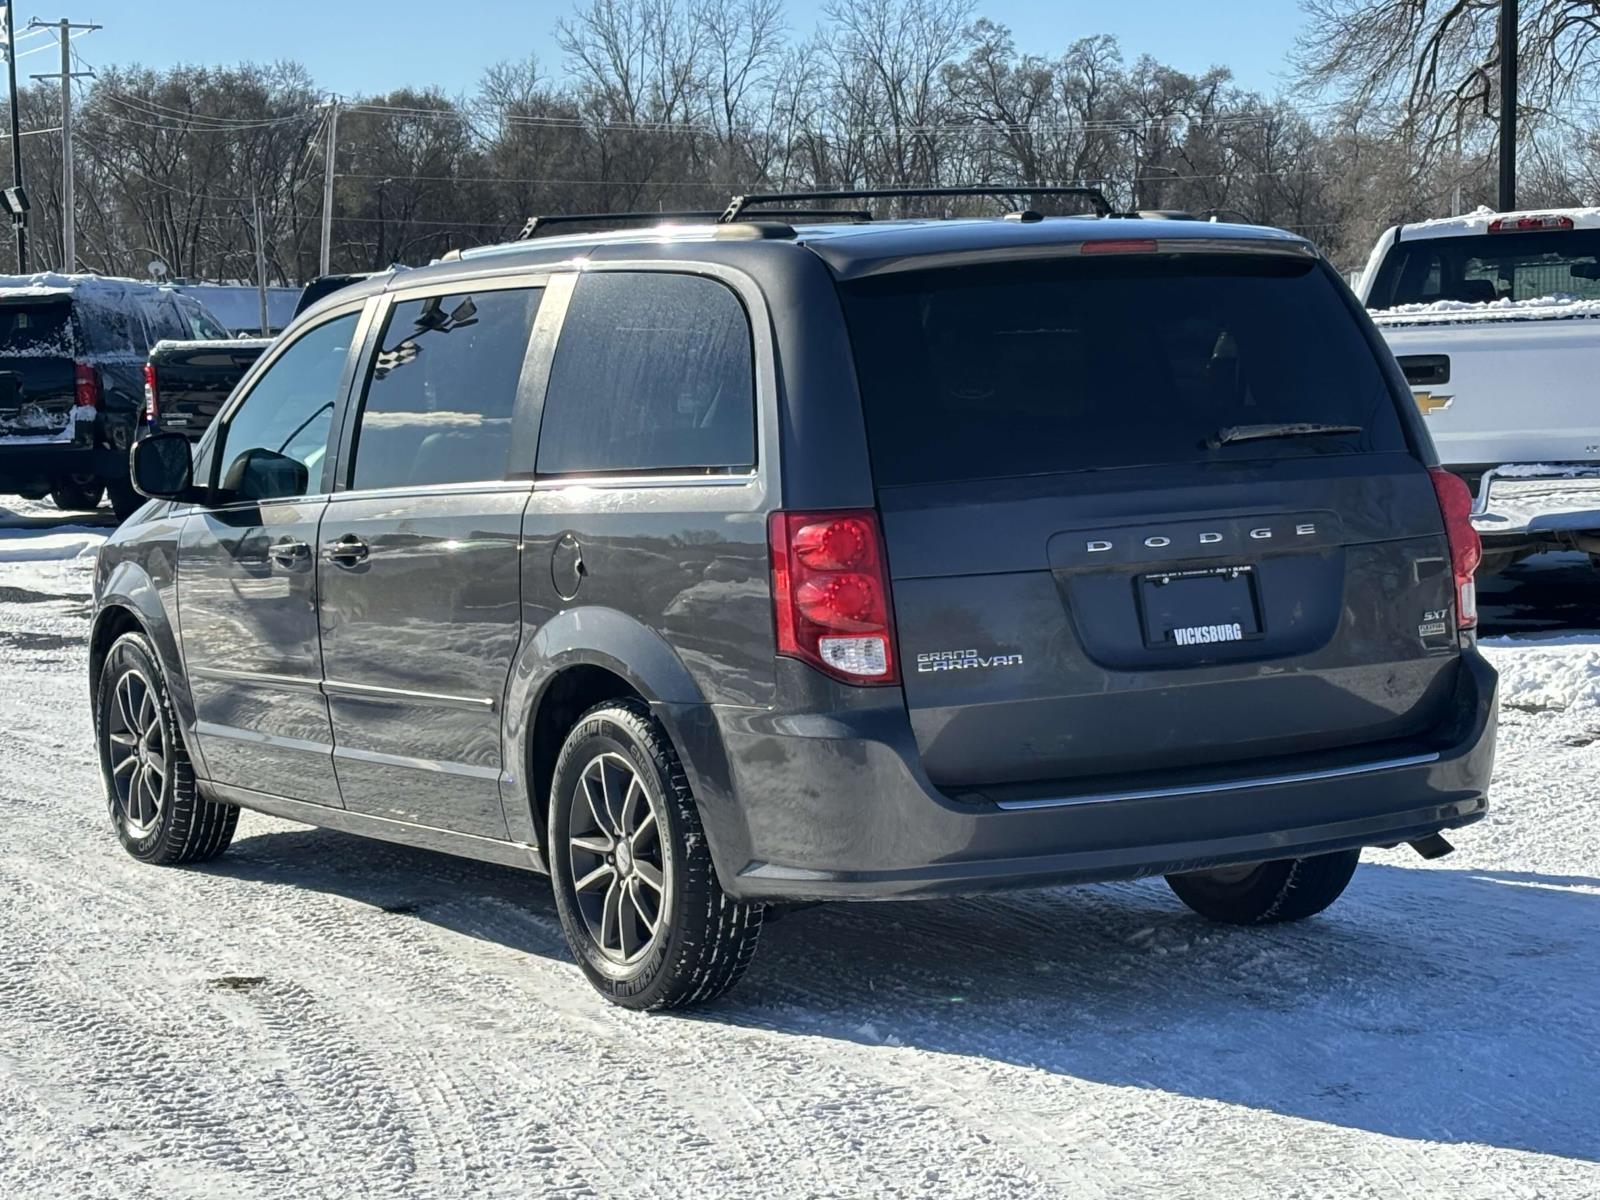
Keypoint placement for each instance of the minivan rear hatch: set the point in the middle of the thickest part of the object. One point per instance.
(38, 345)
(1147, 511)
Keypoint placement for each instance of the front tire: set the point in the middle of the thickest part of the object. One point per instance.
(73, 495)
(158, 813)
(125, 501)
(1286, 889)
(634, 884)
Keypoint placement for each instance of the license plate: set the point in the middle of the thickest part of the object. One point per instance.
(1200, 608)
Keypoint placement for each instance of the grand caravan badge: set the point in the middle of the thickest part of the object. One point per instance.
(964, 660)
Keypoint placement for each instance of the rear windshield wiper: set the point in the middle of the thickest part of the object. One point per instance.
(1285, 429)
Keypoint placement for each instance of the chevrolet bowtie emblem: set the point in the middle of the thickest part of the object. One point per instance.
(1432, 402)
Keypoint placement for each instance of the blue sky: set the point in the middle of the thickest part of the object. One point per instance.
(373, 45)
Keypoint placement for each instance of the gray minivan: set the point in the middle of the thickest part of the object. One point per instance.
(725, 565)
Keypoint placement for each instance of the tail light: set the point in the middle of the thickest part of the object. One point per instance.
(85, 385)
(152, 399)
(1529, 224)
(1466, 549)
(1120, 246)
(830, 594)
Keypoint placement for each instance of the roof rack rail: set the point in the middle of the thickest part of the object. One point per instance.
(537, 225)
(541, 224)
(736, 210)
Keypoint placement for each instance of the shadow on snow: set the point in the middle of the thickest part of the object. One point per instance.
(1430, 1004)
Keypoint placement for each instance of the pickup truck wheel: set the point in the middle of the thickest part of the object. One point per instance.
(159, 815)
(124, 500)
(71, 495)
(1286, 889)
(634, 885)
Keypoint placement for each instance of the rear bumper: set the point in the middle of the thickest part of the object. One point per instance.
(27, 465)
(834, 807)
(1545, 505)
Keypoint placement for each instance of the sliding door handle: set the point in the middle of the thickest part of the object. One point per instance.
(346, 551)
(288, 552)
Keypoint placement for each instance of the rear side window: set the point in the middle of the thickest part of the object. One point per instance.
(36, 330)
(161, 319)
(1121, 361)
(653, 373)
(442, 390)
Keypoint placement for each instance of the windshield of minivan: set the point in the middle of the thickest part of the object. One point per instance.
(1479, 268)
(1084, 363)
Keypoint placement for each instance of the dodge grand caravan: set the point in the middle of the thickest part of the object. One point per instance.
(731, 564)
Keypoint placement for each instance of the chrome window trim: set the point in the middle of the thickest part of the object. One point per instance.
(1228, 785)
(558, 483)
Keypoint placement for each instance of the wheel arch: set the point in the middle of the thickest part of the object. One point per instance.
(131, 602)
(581, 658)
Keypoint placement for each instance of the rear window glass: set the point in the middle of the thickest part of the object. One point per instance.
(36, 330)
(1070, 365)
(1485, 267)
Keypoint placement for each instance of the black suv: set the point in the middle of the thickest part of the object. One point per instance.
(742, 563)
(72, 399)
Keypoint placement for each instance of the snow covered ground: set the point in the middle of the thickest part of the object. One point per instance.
(318, 1016)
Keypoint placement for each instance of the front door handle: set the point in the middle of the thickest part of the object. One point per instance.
(288, 552)
(346, 551)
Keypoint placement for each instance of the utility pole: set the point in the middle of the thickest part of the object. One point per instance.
(20, 217)
(327, 184)
(69, 207)
(261, 265)
(1508, 105)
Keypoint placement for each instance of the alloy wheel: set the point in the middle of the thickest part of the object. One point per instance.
(620, 873)
(137, 744)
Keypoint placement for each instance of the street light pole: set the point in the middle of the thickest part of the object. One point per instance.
(328, 161)
(21, 219)
(1508, 105)
(69, 206)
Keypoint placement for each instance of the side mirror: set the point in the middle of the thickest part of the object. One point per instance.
(162, 468)
(262, 474)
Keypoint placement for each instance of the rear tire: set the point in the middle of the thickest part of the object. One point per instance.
(124, 500)
(158, 812)
(1286, 889)
(634, 884)
(73, 496)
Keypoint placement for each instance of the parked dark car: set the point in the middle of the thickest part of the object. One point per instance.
(186, 383)
(72, 351)
(739, 564)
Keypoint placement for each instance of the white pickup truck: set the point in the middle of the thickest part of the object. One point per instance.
(1495, 319)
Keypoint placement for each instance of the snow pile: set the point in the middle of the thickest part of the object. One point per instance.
(1542, 307)
(1547, 470)
(1547, 674)
(64, 542)
(54, 283)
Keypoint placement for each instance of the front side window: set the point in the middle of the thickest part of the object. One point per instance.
(653, 373)
(276, 442)
(442, 390)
